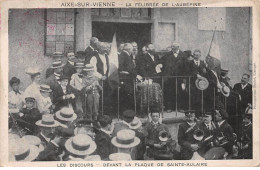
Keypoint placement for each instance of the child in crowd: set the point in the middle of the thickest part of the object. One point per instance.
(91, 89)
(44, 102)
(76, 83)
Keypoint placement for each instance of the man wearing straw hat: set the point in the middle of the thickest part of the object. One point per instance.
(47, 127)
(53, 79)
(44, 101)
(56, 57)
(69, 68)
(80, 146)
(125, 140)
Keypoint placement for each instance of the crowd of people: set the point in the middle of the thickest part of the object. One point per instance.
(61, 118)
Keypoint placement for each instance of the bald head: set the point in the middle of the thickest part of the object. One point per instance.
(175, 46)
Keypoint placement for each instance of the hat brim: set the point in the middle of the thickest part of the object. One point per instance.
(163, 139)
(58, 115)
(90, 150)
(62, 65)
(34, 152)
(32, 140)
(197, 84)
(136, 126)
(39, 123)
(124, 146)
(225, 94)
(49, 91)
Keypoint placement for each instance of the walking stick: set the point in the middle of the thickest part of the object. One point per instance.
(118, 88)
(134, 94)
(102, 102)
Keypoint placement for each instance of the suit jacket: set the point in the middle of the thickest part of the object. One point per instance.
(246, 95)
(185, 139)
(28, 120)
(126, 64)
(50, 153)
(100, 64)
(172, 66)
(147, 65)
(226, 130)
(58, 94)
(194, 69)
(69, 69)
(104, 146)
(52, 82)
(49, 72)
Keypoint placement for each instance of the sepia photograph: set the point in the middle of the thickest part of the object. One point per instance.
(130, 84)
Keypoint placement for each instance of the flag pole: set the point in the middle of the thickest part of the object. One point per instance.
(212, 39)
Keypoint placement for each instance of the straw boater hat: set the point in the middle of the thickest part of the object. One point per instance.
(93, 158)
(79, 65)
(135, 124)
(57, 54)
(47, 121)
(88, 67)
(63, 77)
(33, 140)
(125, 139)
(57, 64)
(20, 150)
(80, 145)
(120, 157)
(66, 114)
(82, 126)
(45, 88)
(202, 83)
(225, 90)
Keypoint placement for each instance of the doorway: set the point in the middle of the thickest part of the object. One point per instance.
(125, 32)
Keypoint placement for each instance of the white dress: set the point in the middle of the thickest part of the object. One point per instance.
(32, 90)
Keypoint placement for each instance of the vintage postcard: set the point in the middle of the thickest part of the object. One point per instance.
(109, 83)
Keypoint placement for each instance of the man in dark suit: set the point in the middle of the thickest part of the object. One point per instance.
(149, 62)
(103, 137)
(64, 94)
(172, 65)
(56, 57)
(243, 92)
(127, 75)
(69, 68)
(91, 49)
(223, 129)
(197, 68)
(185, 136)
(52, 80)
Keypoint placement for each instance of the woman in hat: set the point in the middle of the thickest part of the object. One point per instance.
(44, 101)
(33, 90)
(64, 95)
(15, 99)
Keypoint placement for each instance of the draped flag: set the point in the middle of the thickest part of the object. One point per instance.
(113, 65)
(213, 58)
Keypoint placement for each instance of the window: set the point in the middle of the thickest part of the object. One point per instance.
(59, 31)
(122, 12)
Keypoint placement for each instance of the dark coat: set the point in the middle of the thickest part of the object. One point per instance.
(194, 69)
(226, 130)
(69, 69)
(185, 139)
(49, 72)
(89, 52)
(246, 95)
(28, 120)
(172, 66)
(126, 64)
(50, 153)
(58, 94)
(52, 82)
(104, 146)
(147, 65)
